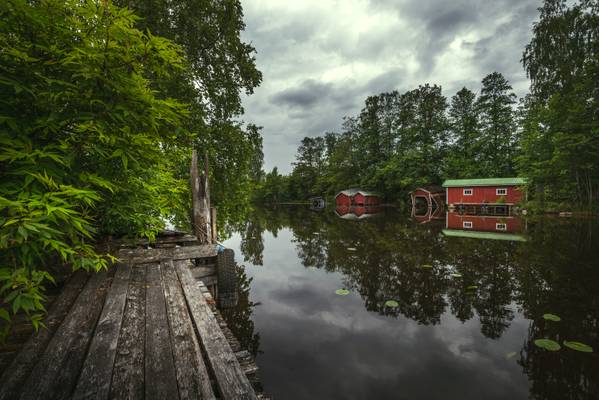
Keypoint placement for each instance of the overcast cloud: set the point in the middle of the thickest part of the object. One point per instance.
(320, 59)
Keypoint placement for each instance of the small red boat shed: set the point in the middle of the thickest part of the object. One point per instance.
(357, 197)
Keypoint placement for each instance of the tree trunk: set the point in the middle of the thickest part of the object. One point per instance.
(200, 194)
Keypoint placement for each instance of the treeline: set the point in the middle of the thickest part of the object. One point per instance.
(100, 105)
(403, 140)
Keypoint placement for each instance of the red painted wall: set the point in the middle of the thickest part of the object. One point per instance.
(343, 200)
(482, 224)
(483, 194)
(359, 199)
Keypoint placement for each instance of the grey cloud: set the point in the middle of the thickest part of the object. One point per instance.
(307, 94)
(319, 65)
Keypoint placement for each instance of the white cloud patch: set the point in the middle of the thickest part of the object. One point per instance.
(321, 59)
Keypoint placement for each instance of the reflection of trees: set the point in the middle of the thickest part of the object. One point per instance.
(239, 318)
(558, 273)
(555, 271)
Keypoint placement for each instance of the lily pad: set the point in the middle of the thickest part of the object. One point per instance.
(456, 275)
(391, 303)
(547, 344)
(426, 266)
(552, 317)
(471, 287)
(510, 355)
(342, 292)
(585, 348)
(352, 249)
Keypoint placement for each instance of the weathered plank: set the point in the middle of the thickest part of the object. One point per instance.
(192, 375)
(94, 381)
(146, 256)
(128, 372)
(160, 378)
(173, 239)
(55, 375)
(13, 378)
(231, 380)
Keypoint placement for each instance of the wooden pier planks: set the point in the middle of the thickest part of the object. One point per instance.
(146, 333)
(230, 378)
(15, 375)
(145, 256)
(161, 381)
(55, 374)
(192, 375)
(94, 381)
(128, 370)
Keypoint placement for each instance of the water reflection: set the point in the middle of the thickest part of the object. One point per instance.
(436, 278)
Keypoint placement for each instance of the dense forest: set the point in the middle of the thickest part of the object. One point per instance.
(100, 107)
(403, 140)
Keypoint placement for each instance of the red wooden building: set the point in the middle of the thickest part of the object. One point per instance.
(357, 197)
(494, 191)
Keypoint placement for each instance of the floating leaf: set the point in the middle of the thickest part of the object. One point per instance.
(456, 275)
(427, 266)
(552, 317)
(391, 303)
(472, 287)
(510, 355)
(342, 292)
(585, 348)
(352, 249)
(548, 344)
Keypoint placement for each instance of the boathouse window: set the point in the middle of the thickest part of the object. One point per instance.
(501, 192)
(467, 192)
(501, 227)
(467, 224)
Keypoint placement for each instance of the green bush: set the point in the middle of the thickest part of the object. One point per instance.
(87, 145)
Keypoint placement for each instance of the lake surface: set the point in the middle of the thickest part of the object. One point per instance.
(468, 308)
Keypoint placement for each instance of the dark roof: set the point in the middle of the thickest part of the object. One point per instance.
(353, 192)
(485, 182)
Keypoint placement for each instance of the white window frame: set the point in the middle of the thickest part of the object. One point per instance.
(503, 190)
(469, 190)
(501, 226)
(467, 224)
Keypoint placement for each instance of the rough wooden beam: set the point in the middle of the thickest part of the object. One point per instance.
(128, 370)
(145, 256)
(231, 380)
(160, 378)
(94, 381)
(192, 375)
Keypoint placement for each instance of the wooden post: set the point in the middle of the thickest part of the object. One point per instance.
(213, 221)
(200, 194)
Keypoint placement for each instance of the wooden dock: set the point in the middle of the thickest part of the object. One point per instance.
(144, 329)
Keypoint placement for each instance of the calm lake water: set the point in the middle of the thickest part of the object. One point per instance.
(469, 308)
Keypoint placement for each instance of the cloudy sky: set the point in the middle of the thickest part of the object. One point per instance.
(320, 59)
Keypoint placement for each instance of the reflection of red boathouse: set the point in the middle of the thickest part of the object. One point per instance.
(357, 197)
(356, 213)
(428, 203)
(483, 223)
(484, 227)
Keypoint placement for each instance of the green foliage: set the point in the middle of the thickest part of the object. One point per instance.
(547, 344)
(560, 125)
(86, 142)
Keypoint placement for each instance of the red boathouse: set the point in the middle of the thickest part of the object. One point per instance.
(357, 197)
(484, 192)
